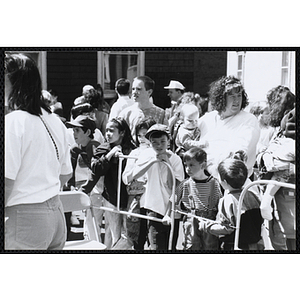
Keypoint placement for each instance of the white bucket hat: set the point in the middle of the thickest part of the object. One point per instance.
(175, 85)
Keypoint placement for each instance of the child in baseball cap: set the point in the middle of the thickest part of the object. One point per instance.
(85, 123)
(152, 162)
(81, 155)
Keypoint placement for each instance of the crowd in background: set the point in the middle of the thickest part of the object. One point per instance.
(207, 149)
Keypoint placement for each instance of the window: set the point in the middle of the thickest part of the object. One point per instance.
(113, 65)
(240, 65)
(285, 68)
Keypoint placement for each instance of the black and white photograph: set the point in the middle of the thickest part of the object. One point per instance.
(150, 150)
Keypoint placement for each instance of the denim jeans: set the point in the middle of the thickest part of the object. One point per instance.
(132, 224)
(282, 228)
(39, 226)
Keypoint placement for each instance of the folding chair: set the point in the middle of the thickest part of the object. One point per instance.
(76, 201)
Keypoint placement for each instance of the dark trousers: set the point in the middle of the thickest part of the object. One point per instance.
(158, 233)
(144, 231)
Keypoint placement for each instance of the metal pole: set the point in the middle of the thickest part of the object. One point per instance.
(241, 199)
(119, 182)
(123, 212)
(172, 198)
(192, 215)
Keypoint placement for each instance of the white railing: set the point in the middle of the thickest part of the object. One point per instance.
(241, 199)
(119, 211)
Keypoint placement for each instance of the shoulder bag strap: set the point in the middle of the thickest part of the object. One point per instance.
(51, 137)
(190, 196)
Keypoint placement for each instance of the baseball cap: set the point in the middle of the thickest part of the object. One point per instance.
(157, 128)
(175, 85)
(82, 121)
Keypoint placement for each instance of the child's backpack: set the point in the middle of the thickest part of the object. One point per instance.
(250, 229)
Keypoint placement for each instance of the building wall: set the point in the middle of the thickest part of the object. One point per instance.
(262, 71)
(68, 72)
(194, 69)
(163, 66)
(208, 67)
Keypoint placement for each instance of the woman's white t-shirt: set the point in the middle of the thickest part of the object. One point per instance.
(30, 156)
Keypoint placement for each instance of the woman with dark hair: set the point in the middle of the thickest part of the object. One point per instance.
(228, 128)
(277, 162)
(280, 100)
(37, 162)
(105, 163)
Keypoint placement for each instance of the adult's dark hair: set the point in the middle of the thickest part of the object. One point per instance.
(94, 98)
(195, 153)
(234, 172)
(288, 125)
(127, 141)
(148, 82)
(221, 88)
(281, 101)
(24, 76)
(145, 123)
(80, 109)
(122, 86)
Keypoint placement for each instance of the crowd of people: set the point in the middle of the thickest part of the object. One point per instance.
(206, 150)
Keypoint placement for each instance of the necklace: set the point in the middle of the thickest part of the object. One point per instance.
(51, 137)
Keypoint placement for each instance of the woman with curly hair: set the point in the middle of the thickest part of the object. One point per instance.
(281, 101)
(228, 128)
(278, 162)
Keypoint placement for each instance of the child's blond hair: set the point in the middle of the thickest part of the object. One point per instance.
(189, 108)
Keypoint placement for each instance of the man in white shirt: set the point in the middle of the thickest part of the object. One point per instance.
(175, 92)
(122, 89)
